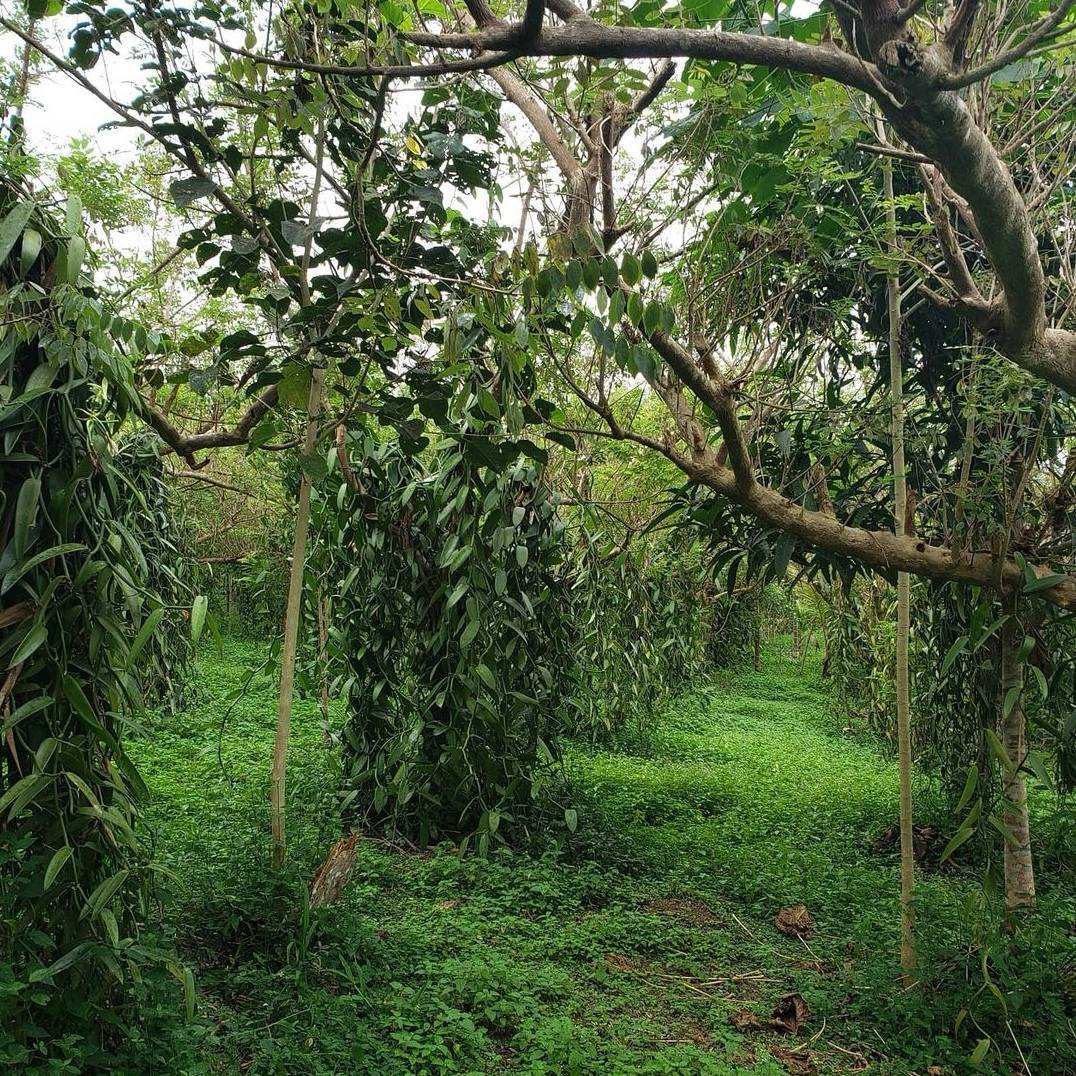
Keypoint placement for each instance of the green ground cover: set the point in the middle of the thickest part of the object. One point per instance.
(645, 946)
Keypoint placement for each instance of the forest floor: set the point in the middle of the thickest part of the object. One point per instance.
(646, 946)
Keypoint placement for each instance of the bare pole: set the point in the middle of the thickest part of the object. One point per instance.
(291, 630)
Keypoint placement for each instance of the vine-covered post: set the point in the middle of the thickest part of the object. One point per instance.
(1018, 866)
(900, 527)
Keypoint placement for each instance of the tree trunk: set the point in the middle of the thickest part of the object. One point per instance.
(323, 661)
(900, 526)
(291, 630)
(1019, 870)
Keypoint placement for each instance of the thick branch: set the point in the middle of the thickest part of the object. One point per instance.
(187, 444)
(582, 36)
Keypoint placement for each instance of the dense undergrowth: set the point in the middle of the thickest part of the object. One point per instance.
(630, 950)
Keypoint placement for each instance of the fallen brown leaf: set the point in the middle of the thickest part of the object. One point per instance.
(745, 1020)
(790, 1013)
(618, 962)
(797, 1062)
(795, 921)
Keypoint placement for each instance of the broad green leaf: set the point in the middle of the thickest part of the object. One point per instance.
(104, 892)
(11, 227)
(199, 607)
(33, 639)
(59, 858)
(998, 749)
(1012, 697)
(26, 513)
(970, 785)
(25, 787)
(76, 254)
(73, 215)
(954, 651)
(1043, 582)
(144, 635)
(30, 249)
(17, 573)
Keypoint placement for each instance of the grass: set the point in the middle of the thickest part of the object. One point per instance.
(643, 947)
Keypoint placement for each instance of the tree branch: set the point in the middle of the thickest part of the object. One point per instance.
(1036, 36)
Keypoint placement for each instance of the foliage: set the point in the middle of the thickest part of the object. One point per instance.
(92, 607)
(449, 621)
(644, 623)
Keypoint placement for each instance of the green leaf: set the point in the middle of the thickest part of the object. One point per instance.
(143, 636)
(30, 249)
(293, 389)
(630, 269)
(60, 857)
(104, 892)
(11, 227)
(73, 215)
(960, 837)
(186, 979)
(980, 1051)
(111, 926)
(185, 192)
(26, 513)
(37, 634)
(522, 555)
(958, 648)
(1012, 697)
(1040, 680)
(26, 787)
(76, 254)
(71, 957)
(1035, 763)
(198, 611)
(998, 749)
(649, 264)
(17, 573)
(74, 694)
(1043, 582)
(571, 818)
(970, 785)
(469, 633)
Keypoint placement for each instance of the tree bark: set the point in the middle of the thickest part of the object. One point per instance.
(1019, 869)
(900, 502)
(291, 631)
(323, 662)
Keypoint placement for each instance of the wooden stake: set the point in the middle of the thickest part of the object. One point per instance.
(291, 629)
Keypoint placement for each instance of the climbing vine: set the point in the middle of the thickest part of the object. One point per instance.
(90, 603)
